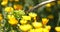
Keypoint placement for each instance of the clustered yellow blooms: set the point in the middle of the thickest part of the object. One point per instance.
(38, 26)
(12, 20)
(25, 18)
(1, 17)
(39, 30)
(57, 29)
(9, 9)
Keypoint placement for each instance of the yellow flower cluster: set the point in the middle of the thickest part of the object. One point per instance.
(9, 9)
(34, 26)
(39, 30)
(12, 20)
(26, 18)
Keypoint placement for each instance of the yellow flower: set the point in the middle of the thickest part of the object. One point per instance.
(10, 17)
(32, 14)
(26, 17)
(25, 27)
(48, 5)
(57, 29)
(9, 9)
(45, 21)
(48, 27)
(13, 21)
(23, 21)
(31, 30)
(39, 30)
(45, 30)
(4, 3)
(37, 24)
(17, 7)
(50, 16)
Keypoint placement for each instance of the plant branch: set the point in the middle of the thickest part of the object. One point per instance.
(39, 5)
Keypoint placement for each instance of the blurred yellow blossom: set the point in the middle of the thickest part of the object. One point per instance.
(8, 9)
(23, 21)
(13, 21)
(25, 27)
(57, 29)
(48, 5)
(32, 14)
(26, 17)
(37, 24)
(17, 7)
(10, 17)
(31, 30)
(45, 30)
(45, 21)
(4, 3)
(39, 30)
(48, 27)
